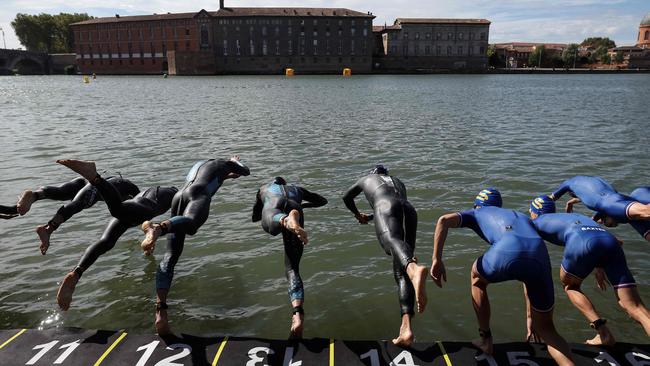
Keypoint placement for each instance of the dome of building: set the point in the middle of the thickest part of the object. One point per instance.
(646, 20)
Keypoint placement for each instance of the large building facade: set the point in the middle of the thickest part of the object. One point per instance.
(413, 44)
(230, 40)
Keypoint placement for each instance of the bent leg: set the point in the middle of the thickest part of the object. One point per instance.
(481, 304)
(164, 276)
(572, 288)
(63, 192)
(629, 299)
(293, 250)
(406, 294)
(8, 212)
(558, 348)
(113, 231)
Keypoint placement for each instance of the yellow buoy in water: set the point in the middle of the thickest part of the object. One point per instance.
(347, 71)
(86, 79)
(289, 72)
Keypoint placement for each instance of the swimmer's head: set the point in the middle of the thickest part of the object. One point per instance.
(542, 205)
(606, 220)
(488, 197)
(280, 181)
(379, 169)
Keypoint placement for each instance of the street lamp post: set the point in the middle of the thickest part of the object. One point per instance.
(539, 65)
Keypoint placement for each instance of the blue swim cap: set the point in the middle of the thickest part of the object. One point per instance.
(542, 205)
(379, 169)
(488, 197)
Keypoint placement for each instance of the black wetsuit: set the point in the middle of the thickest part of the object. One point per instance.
(190, 210)
(82, 195)
(8, 212)
(395, 224)
(274, 202)
(145, 206)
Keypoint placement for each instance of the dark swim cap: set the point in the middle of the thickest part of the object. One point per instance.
(488, 197)
(280, 181)
(542, 205)
(379, 169)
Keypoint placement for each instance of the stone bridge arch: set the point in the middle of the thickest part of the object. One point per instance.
(34, 63)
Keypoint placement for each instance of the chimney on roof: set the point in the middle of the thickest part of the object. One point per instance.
(117, 15)
(221, 5)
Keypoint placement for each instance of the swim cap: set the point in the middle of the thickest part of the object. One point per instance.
(379, 169)
(488, 197)
(280, 181)
(542, 205)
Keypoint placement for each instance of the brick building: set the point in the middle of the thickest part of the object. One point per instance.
(413, 44)
(230, 40)
(517, 53)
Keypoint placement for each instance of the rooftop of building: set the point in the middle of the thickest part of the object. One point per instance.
(235, 12)
(646, 20)
(381, 28)
(440, 21)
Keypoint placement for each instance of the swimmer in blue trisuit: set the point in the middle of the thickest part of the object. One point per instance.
(145, 206)
(598, 195)
(279, 206)
(82, 195)
(190, 210)
(395, 224)
(8, 212)
(641, 194)
(517, 253)
(587, 246)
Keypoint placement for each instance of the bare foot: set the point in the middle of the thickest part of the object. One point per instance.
(419, 280)
(64, 296)
(44, 235)
(84, 168)
(605, 340)
(297, 326)
(162, 322)
(25, 202)
(292, 223)
(405, 338)
(484, 344)
(151, 233)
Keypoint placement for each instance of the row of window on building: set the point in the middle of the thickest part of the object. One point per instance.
(290, 22)
(439, 36)
(106, 35)
(237, 49)
(290, 31)
(105, 51)
(417, 51)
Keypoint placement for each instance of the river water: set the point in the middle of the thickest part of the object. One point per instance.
(446, 137)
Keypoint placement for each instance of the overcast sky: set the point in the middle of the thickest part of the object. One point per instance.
(561, 21)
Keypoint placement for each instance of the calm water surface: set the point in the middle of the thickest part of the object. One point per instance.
(446, 137)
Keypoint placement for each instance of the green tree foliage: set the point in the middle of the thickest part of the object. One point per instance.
(494, 59)
(619, 57)
(538, 54)
(570, 54)
(46, 32)
(596, 42)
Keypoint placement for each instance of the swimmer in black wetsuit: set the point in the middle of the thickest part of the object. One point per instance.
(8, 212)
(145, 206)
(190, 210)
(279, 206)
(395, 225)
(82, 195)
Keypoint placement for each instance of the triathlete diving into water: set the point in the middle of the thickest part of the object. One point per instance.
(82, 195)
(190, 210)
(145, 206)
(280, 208)
(395, 225)
(517, 252)
(587, 246)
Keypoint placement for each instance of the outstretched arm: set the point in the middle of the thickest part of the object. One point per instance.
(257, 209)
(570, 203)
(348, 199)
(561, 190)
(313, 199)
(445, 222)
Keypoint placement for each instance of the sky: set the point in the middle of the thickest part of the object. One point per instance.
(552, 21)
